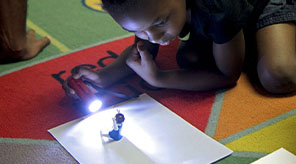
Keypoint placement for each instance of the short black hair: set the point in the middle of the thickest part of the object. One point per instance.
(119, 117)
(119, 6)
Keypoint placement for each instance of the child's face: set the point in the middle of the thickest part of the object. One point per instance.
(159, 21)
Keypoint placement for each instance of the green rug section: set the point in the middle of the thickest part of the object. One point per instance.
(71, 24)
(237, 160)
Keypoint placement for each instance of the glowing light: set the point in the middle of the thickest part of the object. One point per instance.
(95, 105)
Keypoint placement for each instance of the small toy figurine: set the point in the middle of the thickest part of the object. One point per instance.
(117, 125)
(115, 134)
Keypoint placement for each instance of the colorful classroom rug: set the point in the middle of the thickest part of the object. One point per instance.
(32, 100)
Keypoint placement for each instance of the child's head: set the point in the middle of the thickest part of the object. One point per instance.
(119, 117)
(159, 21)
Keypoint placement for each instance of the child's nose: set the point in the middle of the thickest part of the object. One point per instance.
(153, 37)
(142, 35)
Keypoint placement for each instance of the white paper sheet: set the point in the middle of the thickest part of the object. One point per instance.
(152, 135)
(281, 156)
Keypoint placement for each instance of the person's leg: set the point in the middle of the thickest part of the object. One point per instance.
(16, 43)
(276, 46)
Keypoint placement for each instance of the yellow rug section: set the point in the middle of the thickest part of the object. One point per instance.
(243, 107)
(269, 139)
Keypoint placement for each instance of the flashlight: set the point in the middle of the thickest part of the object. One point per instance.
(85, 95)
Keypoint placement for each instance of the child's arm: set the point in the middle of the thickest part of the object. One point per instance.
(112, 72)
(115, 126)
(229, 60)
(118, 68)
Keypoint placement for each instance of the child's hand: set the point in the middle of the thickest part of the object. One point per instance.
(68, 90)
(141, 61)
(87, 75)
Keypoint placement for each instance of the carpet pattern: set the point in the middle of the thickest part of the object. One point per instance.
(32, 100)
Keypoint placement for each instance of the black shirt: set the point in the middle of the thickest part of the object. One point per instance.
(221, 20)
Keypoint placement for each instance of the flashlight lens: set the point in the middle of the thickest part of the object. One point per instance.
(95, 105)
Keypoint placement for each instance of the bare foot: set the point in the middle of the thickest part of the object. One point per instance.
(33, 45)
(31, 49)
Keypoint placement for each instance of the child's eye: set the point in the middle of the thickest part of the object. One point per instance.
(162, 23)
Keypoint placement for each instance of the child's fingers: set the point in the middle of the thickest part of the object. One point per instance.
(86, 74)
(78, 72)
(143, 52)
(133, 58)
(92, 89)
(134, 49)
(68, 90)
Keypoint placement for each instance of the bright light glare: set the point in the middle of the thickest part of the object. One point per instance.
(95, 105)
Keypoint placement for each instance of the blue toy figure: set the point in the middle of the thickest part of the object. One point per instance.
(117, 125)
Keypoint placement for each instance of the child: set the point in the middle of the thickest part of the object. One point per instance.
(115, 133)
(214, 54)
(15, 43)
(118, 120)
